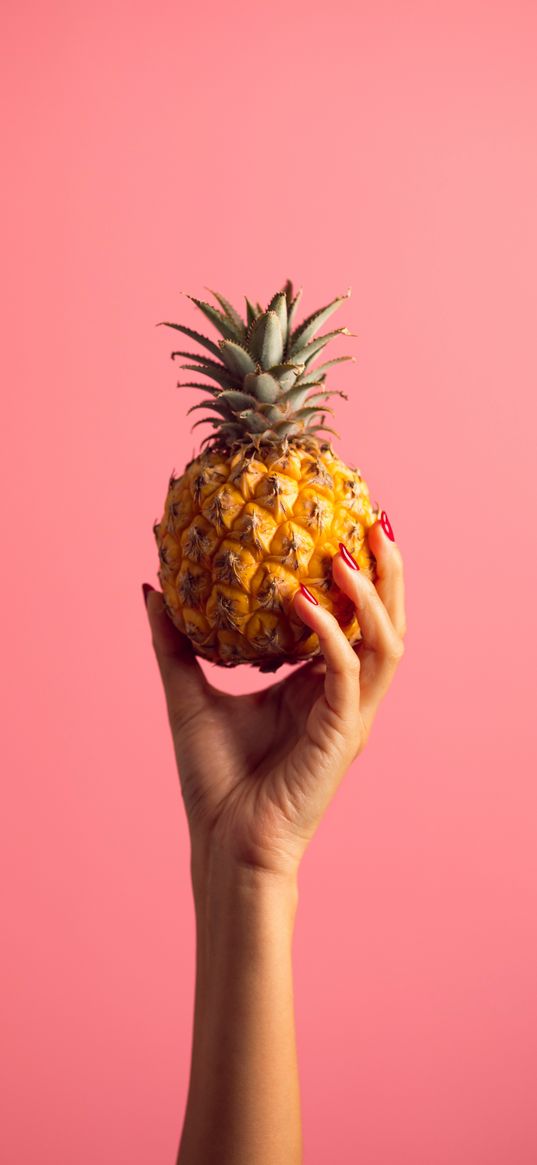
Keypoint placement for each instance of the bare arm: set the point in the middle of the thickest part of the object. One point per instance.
(243, 1104)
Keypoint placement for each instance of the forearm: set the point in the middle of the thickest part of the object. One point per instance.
(243, 1103)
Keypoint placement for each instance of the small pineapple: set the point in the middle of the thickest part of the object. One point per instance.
(266, 504)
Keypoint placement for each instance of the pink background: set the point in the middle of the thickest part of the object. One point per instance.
(158, 148)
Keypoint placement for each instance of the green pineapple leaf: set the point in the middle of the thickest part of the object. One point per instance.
(322, 429)
(287, 374)
(320, 396)
(272, 412)
(208, 421)
(309, 412)
(266, 341)
(220, 374)
(236, 358)
(313, 375)
(304, 355)
(229, 430)
(253, 421)
(296, 396)
(251, 312)
(292, 308)
(236, 400)
(193, 356)
(288, 289)
(307, 329)
(220, 321)
(278, 304)
(198, 384)
(287, 429)
(193, 336)
(263, 386)
(231, 312)
(210, 404)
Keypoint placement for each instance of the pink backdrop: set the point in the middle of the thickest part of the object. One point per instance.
(158, 148)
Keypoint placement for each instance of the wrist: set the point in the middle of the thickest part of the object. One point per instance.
(218, 879)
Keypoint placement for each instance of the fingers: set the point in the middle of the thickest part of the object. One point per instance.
(342, 677)
(377, 628)
(389, 581)
(182, 677)
(382, 646)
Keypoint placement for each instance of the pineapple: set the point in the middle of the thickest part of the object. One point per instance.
(265, 505)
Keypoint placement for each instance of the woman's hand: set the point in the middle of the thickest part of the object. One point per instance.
(258, 771)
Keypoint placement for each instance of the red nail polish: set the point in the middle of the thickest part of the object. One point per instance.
(347, 557)
(386, 526)
(146, 588)
(308, 595)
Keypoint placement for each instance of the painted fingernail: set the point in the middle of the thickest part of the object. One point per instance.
(347, 557)
(386, 526)
(308, 595)
(146, 588)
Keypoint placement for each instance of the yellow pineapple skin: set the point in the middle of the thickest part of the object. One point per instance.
(241, 530)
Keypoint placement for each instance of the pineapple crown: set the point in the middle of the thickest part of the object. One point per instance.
(264, 388)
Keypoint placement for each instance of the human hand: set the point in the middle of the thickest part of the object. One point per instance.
(258, 771)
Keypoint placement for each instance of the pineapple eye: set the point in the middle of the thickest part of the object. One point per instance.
(228, 567)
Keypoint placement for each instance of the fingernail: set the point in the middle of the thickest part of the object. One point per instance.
(347, 557)
(308, 595)
(146, 588)
(386, 526)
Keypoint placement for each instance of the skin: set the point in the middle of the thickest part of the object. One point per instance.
(257, 773)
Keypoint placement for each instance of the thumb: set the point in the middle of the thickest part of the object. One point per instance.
(183, 680)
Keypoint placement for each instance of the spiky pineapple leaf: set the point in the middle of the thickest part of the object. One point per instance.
(272, 412)
(287, 374)
(198, 384)
(307, 329)
(292, 308)
(220, 374)
(321, 368)
(322, 429)
(266, 341)
(304, 355)
(220, 321)
(227, 432)
(278, 304)
(263, 386)
(253, 421)
(287, 429)
(251, 312)
(288, 290)
(236, 400)
(294, 397)
(263, 391)
(192, 356)
(231, 312)
(236, 358)
(309, 411)
(214, 405)
(207, 343)
(320, 396)
(208, 421)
